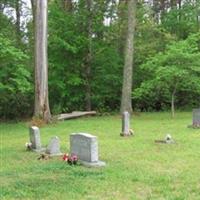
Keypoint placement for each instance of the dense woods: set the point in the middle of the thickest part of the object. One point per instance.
(89, 42)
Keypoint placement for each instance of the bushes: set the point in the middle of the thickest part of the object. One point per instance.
(15, 86)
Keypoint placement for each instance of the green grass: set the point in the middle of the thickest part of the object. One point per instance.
(137, 168)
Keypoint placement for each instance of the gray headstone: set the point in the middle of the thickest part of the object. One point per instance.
(34, 133)
(125, 124)
(54, 147)
(196, 117)
(85, 146)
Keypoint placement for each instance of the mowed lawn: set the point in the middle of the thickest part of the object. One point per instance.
(137, 168)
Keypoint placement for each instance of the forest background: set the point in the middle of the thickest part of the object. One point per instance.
(86, 55)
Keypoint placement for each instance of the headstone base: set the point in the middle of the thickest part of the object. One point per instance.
(39, 150)
(57, 154)
(93, 164)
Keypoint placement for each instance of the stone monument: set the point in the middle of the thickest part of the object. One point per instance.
(34, 133)
(85, 146)
(53, 148)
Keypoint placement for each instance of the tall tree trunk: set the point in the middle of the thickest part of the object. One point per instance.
(122, 15)
(88, 63)
(68, 5)
(173, 101)
(33, 10)
(198, 14)
(18, 33)
(173, 4)
(156, 11)
(162, 9)
(179, 8)
(41, 66)
(126, 102)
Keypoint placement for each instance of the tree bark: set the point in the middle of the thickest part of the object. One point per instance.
(126, 101)
(156, 11)
(68, 5)
(33, 10)
(122, 15)
(41, 66)
(18, 33)
(173, 101)
(88, 63)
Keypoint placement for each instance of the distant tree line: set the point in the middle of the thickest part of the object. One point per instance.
(87, 52)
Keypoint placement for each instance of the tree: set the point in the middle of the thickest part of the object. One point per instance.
(173, 72)
(18, 32)
(126, 102)
(88, 59)
(15, 86)
(41, 64)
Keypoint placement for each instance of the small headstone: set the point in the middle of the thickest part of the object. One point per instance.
(34, 133)
(85, 146)
(125, 124)
(196, 118)
(54, 147)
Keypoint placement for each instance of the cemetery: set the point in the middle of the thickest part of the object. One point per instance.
(120, 167)
(100, 100)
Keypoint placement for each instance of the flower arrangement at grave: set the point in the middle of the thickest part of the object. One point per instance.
(70, 159)
(28, 146)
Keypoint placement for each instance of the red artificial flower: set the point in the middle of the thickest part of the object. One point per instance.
(65, 157)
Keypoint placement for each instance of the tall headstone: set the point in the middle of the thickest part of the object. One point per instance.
(34, 133)
(196, 118)
(53, 147)
(125, 124)
(85, 146)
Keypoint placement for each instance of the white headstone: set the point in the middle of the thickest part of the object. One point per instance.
(34, 133)
(85, 146)
(125, 124)
(54, 147)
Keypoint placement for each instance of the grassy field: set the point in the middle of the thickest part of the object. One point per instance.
(137, 168)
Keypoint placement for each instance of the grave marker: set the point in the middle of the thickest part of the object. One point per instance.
(54, 147)
(85, 146)
(34, 133)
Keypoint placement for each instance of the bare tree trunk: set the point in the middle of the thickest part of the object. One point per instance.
(18, 33)
(41, 66)
(198, 14)
(68, 5)
(88, 104)
(126, 102)
(122, 15)
(179, 8)
(173, 101)
(156, 11)
(33, 10)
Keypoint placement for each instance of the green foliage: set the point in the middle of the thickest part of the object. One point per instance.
(176, 70)
(182, 22)
(166, 57)
(15, 86)
(68, 46)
